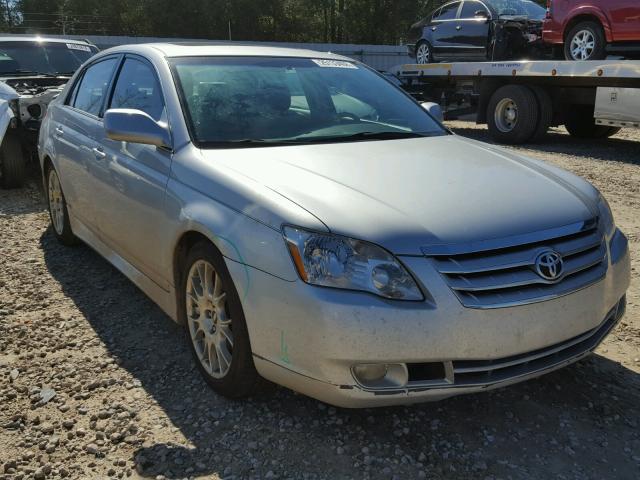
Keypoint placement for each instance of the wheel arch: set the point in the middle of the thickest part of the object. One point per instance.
(588, 15)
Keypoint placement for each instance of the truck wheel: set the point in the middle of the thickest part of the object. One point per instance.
(12, 162)
(513, 114)
(546, 112)
(585, 41)
(581, 124)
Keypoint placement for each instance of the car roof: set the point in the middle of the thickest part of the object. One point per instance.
(37, 38)
(206, 49)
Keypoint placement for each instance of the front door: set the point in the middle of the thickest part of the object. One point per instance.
(444, 32)
(625, 20)
(473, 30)
(132, 178)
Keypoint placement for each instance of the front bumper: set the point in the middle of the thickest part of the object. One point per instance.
(309, 338)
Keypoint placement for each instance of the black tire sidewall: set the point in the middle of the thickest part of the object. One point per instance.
(242, 378)
(599, 53)
(66, 237)
(12, 163)
(528, 114)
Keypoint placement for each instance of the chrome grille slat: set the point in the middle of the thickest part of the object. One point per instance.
(507, 276)
(498, 261)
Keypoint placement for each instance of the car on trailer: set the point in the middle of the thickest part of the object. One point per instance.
(478, 30)
(591, 29)
(33, 71)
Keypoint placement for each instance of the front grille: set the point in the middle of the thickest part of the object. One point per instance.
(506, 277)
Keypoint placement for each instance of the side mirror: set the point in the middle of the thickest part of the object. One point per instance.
(482, 14)
(135, 126)
(434, 109)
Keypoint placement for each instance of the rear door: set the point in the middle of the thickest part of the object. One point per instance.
(74, 136)
(444, 33)
(473, 30)
(625, 19)
(130, 178)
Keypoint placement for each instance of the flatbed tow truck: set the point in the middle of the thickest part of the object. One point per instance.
(521, 100)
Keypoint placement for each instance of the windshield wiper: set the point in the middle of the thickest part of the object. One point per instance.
(363, 136)
(29, 72)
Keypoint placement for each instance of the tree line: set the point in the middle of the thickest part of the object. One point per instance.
(326, 21)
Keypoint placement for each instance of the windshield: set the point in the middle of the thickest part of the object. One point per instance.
(43, 57)
(270, 100)
(525, 8)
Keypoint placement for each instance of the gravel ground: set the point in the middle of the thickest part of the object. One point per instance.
(96, 382)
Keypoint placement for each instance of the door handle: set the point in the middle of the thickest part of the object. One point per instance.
(59, 131)
(458, 27)
(99, 153)
(433, 29)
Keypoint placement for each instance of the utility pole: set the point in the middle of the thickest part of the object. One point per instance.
(229, 30)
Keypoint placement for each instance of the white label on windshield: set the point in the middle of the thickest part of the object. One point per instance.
(75, 46)
(334, 64)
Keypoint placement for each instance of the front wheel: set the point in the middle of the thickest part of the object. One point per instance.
(12, 162)
(212, 314)
(585, 41)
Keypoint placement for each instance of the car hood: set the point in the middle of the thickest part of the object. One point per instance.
(408, 195)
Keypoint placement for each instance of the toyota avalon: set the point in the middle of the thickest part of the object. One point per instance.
(310, 224)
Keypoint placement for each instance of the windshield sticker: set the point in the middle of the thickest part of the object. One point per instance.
(334, 64)
(75, 46)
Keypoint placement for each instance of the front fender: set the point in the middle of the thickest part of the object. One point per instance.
(6, 115)
(593, 11)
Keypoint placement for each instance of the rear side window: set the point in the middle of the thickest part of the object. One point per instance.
(448, 12)
(137, 87)
(93, 87)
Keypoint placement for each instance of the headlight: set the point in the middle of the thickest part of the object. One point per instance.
(341, 262)
(605, 216)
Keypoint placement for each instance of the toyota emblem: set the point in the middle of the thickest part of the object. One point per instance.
(549, 265)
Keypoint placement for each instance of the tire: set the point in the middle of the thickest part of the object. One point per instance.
(580, 123)
(424, 53)
(590, 32)
(232, 372)
(12, 162)
(58, 212)
(545, 106)
(513, 114)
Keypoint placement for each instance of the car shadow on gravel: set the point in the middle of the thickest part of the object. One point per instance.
(554, 424)
(556, 141)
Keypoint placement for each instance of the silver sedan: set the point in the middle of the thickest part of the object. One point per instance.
(311, 224)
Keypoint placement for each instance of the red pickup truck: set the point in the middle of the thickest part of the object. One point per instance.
(590, 29)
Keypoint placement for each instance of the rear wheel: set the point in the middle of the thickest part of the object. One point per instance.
(12, 162)
(58, 210)
(212, 314)
(545, 105)
(424, 54)
(581, 124)
(585, 41)
(513, 114)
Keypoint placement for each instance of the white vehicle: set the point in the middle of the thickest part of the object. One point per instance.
(520, 100)
(33, 71)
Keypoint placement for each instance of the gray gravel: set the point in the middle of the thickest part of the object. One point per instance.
(96, 382)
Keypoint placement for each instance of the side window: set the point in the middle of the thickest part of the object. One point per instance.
(449, 12)
(470, 8)
(138, 88)
(93, 86)
(74, 92)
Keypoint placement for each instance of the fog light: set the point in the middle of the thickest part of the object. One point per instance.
(371, 372)
(381, 376)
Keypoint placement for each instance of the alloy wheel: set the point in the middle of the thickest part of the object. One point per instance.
(423, 55)
(506, 115)
(208, 319)
(583, 45)
(56, 202)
